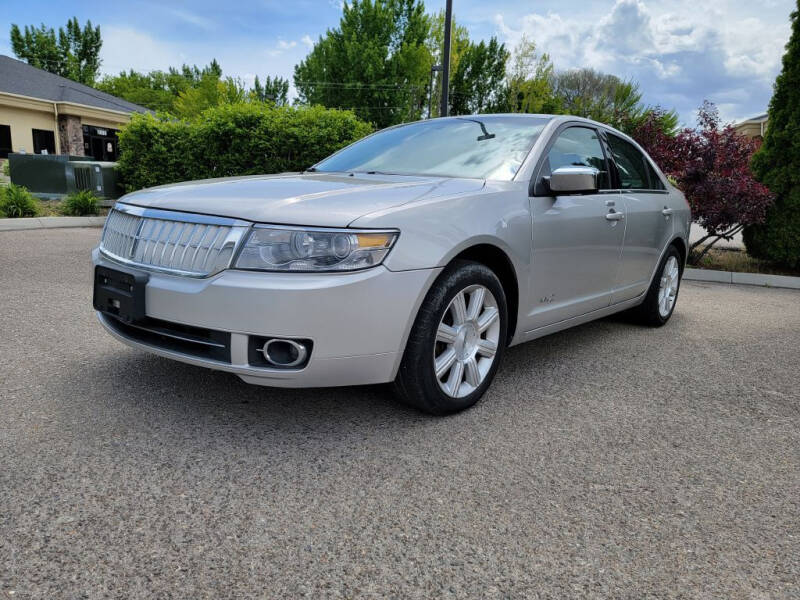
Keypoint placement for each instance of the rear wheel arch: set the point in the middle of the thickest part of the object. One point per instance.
(680, 244)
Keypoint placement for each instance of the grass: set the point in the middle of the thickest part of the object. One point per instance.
(54, 208)
(724, 259)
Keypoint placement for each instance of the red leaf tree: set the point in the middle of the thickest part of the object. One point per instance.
(710, 164)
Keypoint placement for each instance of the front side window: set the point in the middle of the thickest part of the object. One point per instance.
(580, 147)
(483, 147)
(631, 164)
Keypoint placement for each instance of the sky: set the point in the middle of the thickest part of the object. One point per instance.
(680, 51)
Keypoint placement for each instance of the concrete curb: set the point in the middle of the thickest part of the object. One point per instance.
(50, 223)
(778, 281)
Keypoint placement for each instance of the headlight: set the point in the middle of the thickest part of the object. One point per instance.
(271, 248)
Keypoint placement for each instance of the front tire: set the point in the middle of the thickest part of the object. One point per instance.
(457, 341)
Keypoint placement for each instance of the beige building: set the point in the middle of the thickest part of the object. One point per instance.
(43, 113)
(753, 128)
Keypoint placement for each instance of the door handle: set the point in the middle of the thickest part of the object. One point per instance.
(615, 216)
(666, 212)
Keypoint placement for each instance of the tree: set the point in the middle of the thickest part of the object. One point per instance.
(777, 164)
(607, 99)
(477, 85)
(210, 91)
(530, 81)
(375, 62)
(159, 90)
(75, 54)
(710, 165)
(151, 90)
(274, 90)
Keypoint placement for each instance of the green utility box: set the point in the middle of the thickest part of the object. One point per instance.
(56, 175)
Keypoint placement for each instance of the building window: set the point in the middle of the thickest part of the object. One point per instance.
(44, 141)
(100, 142)
(5, 140)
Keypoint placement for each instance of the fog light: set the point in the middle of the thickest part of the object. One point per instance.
(284, 353)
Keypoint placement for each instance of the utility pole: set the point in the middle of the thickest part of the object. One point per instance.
(448, 17)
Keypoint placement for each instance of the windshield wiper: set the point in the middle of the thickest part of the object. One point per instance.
(376, 173)
(486, 135)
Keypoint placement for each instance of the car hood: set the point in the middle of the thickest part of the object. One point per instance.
(321, 199)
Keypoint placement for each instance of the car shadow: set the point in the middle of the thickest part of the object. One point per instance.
(152, 392)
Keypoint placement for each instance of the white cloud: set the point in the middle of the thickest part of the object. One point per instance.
(127, 48)
(191, 18)
(307, 41)
(683, 51)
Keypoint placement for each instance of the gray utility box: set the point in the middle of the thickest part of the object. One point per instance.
(56, 175)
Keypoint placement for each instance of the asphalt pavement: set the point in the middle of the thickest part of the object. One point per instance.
(608, 461)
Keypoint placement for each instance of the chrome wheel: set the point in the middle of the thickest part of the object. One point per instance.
(668, 290)
(466, 341)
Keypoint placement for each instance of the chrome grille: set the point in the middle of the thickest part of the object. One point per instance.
(172, 242)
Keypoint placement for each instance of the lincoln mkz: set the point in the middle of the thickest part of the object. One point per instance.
(416, 256)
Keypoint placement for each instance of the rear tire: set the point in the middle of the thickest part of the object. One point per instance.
(457, 341)
(662, 296)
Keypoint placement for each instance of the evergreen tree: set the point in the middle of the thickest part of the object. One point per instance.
(74, 54)
(274, 90)
(375, 62)
(777, 164)
(478, 83)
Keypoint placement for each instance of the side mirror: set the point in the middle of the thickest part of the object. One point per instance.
(574, 180)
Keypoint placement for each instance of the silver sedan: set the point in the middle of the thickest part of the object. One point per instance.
(414, 256)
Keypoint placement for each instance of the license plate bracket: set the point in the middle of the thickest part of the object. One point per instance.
(120, 293)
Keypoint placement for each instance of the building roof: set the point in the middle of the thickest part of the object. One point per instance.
(17, 77)
(756, 119)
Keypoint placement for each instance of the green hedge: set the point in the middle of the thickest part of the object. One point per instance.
(234, 139)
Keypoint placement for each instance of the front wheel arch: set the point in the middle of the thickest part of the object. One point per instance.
(500, 264)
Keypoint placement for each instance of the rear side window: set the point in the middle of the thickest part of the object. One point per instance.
(579, 146)
(631, 164)
(655, 180)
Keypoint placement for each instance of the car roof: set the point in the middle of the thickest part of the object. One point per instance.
(558, 119)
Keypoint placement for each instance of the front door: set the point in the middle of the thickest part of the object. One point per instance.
(577, 239)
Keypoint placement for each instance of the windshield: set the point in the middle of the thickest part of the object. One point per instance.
(484, 147)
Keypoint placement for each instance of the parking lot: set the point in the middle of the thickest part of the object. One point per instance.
(606, 461)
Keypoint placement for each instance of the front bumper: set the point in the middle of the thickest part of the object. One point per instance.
(358, 322)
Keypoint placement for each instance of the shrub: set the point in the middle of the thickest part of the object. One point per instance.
(777, 164)
(7, 169)
(232, 139)
(16, 201)
(711, 166)
(80, 204)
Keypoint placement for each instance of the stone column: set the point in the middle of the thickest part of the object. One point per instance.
(70, 134)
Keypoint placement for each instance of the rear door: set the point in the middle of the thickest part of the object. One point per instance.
(577, 239)
(649, 222)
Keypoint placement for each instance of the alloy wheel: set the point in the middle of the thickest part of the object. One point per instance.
(466, 341)
(668, 290)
